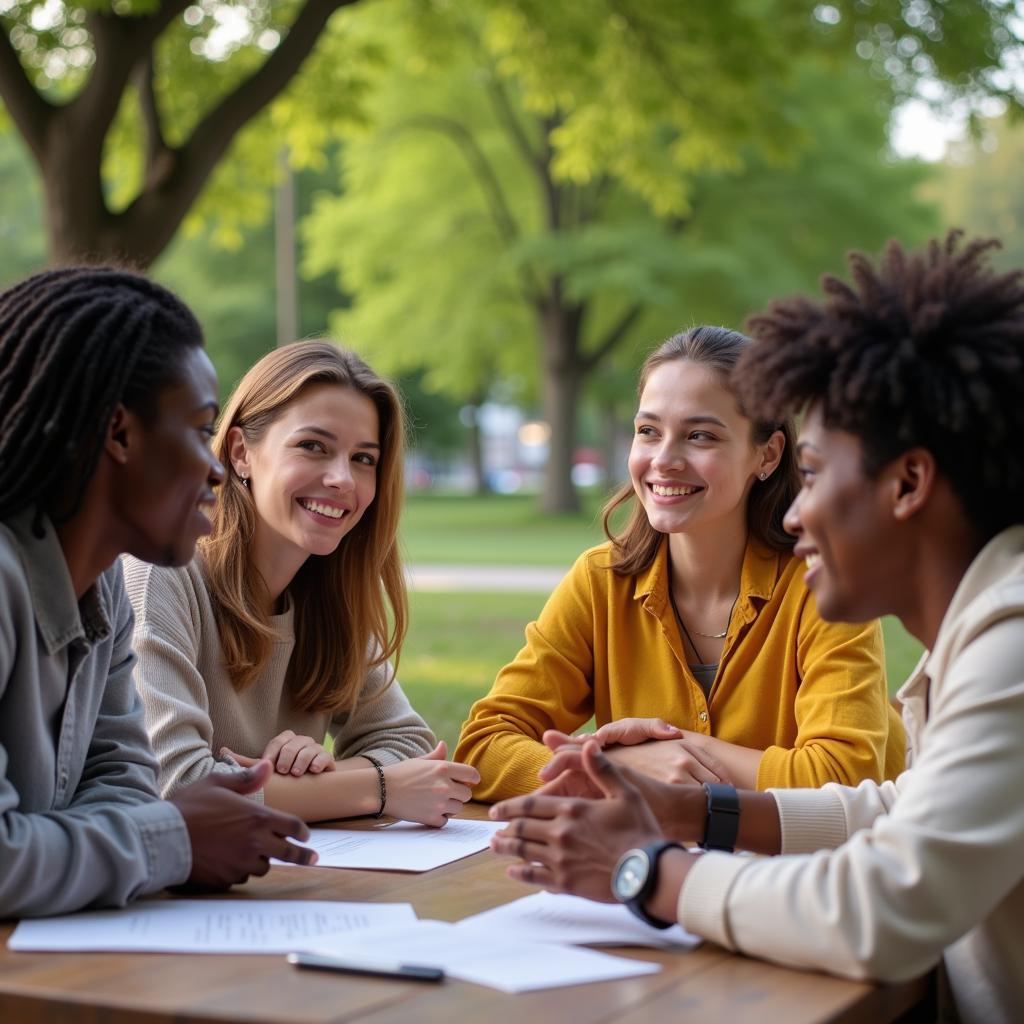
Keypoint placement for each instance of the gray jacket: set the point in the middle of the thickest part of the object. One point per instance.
(80, 821)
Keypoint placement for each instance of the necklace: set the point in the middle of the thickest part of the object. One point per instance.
(686, 632)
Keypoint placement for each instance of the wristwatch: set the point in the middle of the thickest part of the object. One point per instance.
(723, 822)
(636, 877)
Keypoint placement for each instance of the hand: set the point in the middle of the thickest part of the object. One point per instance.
(681, 811)
(429, 789)
(674, 761)
(233, 838)
(624, 731)
(295, 755)
(570, 844)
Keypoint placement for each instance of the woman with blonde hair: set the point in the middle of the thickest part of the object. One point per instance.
(278, 632)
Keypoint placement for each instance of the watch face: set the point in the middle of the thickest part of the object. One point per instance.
(630, 877)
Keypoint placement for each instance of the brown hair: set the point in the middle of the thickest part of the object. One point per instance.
(634, 547)
(341, 600)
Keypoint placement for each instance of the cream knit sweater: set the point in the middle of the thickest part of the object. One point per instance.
(192, 710)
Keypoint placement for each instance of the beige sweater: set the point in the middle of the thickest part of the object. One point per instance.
(930, 866)
(192, 710)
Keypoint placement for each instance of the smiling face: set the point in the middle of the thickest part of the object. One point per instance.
(844, 524)
(312, 475)
(167, 487)
(692, 462)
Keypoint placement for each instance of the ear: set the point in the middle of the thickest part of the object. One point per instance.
(912, 477)
(121, 436)
(238, 452)
(771, 453)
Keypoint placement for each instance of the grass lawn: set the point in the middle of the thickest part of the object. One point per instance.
(495, 530)
(457, 643)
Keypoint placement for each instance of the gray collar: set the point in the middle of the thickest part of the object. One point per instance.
(59, 616)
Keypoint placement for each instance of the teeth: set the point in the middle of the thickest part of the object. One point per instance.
(324, 510)
(812, 560)
(672, 492)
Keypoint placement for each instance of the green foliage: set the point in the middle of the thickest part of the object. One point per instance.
(22, 241)
(442, 232)
(979, 187)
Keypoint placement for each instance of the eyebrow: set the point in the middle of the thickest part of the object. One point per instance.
(803, 445)
(211, 405)
(319, 431)
(703, 417)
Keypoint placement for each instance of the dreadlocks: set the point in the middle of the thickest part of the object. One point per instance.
(73, 343)
(925, 350)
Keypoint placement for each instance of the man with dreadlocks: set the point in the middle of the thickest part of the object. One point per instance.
(912, 504)
(107, 402)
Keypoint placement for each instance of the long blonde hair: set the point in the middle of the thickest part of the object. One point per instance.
(635, 546)
(341, 600)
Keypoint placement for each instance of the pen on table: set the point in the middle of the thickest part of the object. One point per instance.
(356, 965)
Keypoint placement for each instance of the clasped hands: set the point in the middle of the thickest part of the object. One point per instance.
(568, 835)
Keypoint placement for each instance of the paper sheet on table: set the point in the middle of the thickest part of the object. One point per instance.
(511, 965)
(557, 917)
(404, 846)
(206, 926)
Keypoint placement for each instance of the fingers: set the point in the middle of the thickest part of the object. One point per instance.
(245, 762)
(512, 846)
(439, 753)
(310, 758)
(464, 773)
(532, 806)
(553, 739)
(292, 853)
(248, 781)
(603, 774)
(273, 748)
(568, 759)
(534, 874)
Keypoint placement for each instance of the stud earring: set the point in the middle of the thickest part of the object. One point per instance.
(245, 480)
(764, 476)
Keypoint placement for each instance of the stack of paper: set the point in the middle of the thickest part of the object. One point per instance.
(404, 846)
(556, 917)
(511, 965)
(206, 926)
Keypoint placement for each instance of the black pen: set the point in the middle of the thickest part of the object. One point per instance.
(356, 965)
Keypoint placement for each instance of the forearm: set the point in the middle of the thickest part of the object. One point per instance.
(340, 794)
(682, 813)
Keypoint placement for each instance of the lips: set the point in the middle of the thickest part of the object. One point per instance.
(323, 508)
(674, 490)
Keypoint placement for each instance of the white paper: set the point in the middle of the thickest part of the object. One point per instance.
(206, 926)
(510, 965)
(557, 917)
(404, 846)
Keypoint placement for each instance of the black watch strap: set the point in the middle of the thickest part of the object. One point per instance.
(723, 823)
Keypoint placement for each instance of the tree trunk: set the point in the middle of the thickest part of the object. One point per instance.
(563, 376)
(476, 453)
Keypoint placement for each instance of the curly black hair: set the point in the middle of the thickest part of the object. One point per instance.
(925, 349)
(73, 343)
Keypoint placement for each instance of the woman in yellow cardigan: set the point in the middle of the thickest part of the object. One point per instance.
(691, 636)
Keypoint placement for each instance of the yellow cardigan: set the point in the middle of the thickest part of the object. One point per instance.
(810, 693)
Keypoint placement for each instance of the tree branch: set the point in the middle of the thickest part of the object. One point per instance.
(503, 108)
(215, 133)
(479, 165)
(30, 111)
(617, 332)
(172, 193)
(157, 155)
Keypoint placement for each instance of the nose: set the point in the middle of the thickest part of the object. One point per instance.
(338, 475)
(667, 457)
(791, 520)
(216, 474)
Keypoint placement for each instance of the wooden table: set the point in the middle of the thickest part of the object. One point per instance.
(706, 984)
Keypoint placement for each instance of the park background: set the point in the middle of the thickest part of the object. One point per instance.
(504, 204)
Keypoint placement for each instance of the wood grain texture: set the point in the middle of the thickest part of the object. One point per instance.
(703, 984)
